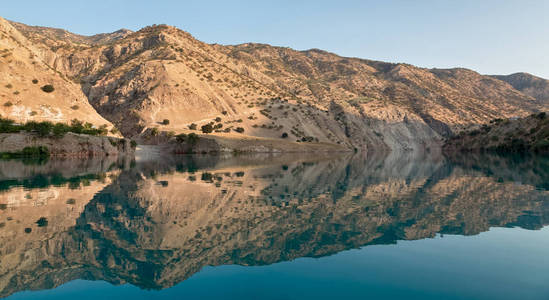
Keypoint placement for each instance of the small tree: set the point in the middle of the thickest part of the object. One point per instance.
(208, 128)
(48, 88)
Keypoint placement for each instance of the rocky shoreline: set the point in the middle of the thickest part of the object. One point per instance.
(69, 145)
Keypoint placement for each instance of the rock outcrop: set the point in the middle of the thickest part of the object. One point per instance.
(71, 144)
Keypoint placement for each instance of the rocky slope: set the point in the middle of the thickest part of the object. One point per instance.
(23, 75)
(505, 135)
(529, 85)
(137, 80)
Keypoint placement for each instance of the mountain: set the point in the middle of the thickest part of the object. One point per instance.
(505, 135)
(24, 76)
(161, 77)
(528, 84)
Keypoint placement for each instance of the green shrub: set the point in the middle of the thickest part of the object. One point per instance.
(165, 122)
(284, 135)
(154, 131)
(133, 144)
(35, 81)
(42, 129)
(48, 88)
(208, 128)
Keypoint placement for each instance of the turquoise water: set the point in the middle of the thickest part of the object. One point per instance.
(276, 227)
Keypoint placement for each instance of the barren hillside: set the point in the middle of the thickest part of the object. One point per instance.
(24, 76)
(161, 77)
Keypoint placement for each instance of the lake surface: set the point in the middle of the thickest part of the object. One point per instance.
(276, 227)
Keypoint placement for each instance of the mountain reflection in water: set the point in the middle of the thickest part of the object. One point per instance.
(155, 223)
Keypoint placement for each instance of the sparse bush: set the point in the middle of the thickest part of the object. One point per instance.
(193, 126)
(75, 107)
(8, 104)
(224, 112)
(208, 128)
(9, 86)
(48, 88)
(239, 129)
(35, 81)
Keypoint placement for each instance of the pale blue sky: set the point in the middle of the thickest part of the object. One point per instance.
(489, 36)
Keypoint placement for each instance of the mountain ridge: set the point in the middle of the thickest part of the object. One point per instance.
(137, 80)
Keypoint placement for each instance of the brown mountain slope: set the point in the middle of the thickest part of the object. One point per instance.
(505, 135)
(528, 84)
(22, 76)
(137, 80)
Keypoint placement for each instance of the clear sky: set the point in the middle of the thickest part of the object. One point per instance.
(489, 36)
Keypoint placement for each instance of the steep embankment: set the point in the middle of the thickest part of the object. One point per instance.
(505, 135)
(162, 79)
(71, 144)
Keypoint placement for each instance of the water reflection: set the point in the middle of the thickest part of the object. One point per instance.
(156, 223)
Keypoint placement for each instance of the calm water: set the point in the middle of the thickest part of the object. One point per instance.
(276, 227)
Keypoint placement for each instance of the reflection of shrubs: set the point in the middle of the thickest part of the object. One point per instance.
(207, 177)
(42, 222)
(48, 88)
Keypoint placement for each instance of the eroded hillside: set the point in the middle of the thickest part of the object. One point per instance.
(161, 77)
